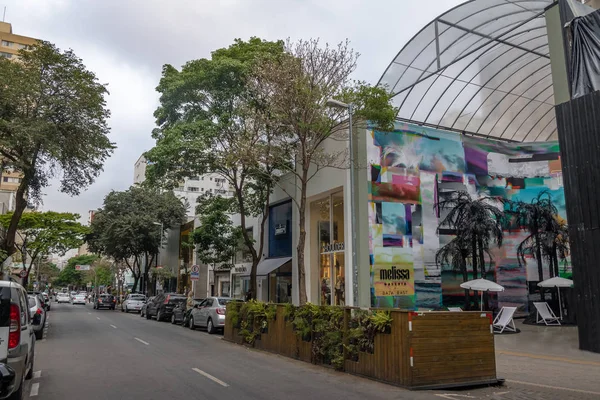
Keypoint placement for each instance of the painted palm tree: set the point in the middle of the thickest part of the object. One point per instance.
(477, 224)
(455, 254)
(547, 237)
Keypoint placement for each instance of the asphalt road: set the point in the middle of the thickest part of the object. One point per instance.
(96, 355)
(90, 354)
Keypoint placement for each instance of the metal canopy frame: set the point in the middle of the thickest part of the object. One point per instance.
(481, 68)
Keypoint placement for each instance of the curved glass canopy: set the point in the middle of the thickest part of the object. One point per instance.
(481, 68)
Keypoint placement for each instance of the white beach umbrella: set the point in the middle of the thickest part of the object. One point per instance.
(482, 285)
(558, 283)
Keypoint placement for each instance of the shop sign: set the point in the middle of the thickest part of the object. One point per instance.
(280, 229)
(239, 269)
(333, 248)
(223, 267)
(393, 280)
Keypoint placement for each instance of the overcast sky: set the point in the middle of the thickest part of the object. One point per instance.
(126, 43)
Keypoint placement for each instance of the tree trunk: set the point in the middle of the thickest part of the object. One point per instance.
(302, 237)
(136, 280)
(486, 296)
(538, 255)
(474, 262)
(555, 258)
(465, 274)
(20, 204)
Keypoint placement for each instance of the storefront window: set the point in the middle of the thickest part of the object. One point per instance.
(327, 218)
(280, 284)
(280, 235)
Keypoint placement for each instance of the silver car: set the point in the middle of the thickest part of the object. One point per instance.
(133, 302)
(210, 314)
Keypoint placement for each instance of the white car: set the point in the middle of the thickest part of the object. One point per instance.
(63, 298)
(133, 302)
(78, 299)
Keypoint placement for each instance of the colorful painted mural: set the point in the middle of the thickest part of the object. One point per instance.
(409, 169)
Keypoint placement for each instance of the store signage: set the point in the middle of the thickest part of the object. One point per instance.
(280, 229)
(333, 248)
(239, 269)
(393, 280)
(223, 267)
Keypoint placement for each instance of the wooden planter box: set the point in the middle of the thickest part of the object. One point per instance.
(424, 349)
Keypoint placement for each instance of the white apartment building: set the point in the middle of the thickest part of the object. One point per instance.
(191, 188)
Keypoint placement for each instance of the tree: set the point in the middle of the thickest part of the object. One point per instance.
(53, 123)
(128, 227)
(216, 236)
(294, 89)
(45, 233)
(477, 224)
(210, 120)
(455, 254)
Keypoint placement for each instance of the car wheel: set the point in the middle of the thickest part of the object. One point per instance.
(210, 327)
(173, 319)
(159, 316)
(39, 335)
(94, 306)
(142, 313)
(192, 326)
(147, 315)
(126, 310)
(30, 373)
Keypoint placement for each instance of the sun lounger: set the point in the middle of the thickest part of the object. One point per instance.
(545, 314)
(454, 309)
(504, 320)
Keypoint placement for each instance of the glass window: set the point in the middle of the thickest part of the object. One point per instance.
(5, 55)
(6, 43)
(192, 189)
(280, 235)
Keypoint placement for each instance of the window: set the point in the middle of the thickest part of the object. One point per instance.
(211, 178)
(202, 178)
(5, 55)
(6, 43)
(5, 179)
(210, 190)
(280, 235)
(195, 178)
(9, 179)
(23, 46)
(202, 189)
(193, 189)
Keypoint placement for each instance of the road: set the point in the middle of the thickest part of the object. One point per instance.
(97, 355)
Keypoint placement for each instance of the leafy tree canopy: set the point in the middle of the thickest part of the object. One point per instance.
(53, 123)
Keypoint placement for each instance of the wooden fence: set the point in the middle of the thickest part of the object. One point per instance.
(423, 349)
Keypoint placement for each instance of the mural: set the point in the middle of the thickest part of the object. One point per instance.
(409, 169)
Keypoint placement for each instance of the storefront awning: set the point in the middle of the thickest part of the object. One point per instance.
(266, 266)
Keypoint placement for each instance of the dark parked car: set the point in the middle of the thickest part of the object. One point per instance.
(181, 314)
(143, 310)
(105, 301)
(162, 306)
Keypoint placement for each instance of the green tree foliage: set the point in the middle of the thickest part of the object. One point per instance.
(127, 228)
(477, 224)
(210, 120)
(295, 89)
(216, 237)
(45, 233)
(69, 276)
(53, 123)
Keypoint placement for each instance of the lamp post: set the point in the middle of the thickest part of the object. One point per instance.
(350, 108)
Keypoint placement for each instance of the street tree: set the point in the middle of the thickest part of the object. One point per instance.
(70, 276)
(211, 121)
(295, 89)
(53, 124)
(131, 226)
(44, 233)
(216, 237)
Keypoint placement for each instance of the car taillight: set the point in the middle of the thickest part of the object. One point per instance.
(14, 337)
(39, 311)
(167, 300)
(221, 311)
(114, 300)
(99, 300)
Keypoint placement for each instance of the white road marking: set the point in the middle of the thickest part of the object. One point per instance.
(35, 388)
(98, 318)
(37, 374)
(43, 340)
(454, 396)
(209, 376)
(114, 326)
(90, 313)
(142, 341)
(554, 387)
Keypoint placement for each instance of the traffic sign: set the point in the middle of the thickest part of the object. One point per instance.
(195, 274)
(82, 267)
(23, 273)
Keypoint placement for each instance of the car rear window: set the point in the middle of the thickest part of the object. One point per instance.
(140, 297)
(177, 299)
(224, 302)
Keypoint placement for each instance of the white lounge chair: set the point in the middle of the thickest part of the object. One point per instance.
(504, 320)
(545, 314)
(455, 309)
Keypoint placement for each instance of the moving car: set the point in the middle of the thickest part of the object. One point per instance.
(210, 314)
(181, 314)
(17, 339)
(105, 301)
(63, 298)
(133, 302)
(78, 299)
(162, 306)
(143, 309)
(38, 316)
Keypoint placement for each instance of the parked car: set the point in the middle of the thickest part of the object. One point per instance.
(78, 299)
(41, 297)
(7, 380)
(17, 338)
(38, 316)
(63, 298)
(210, 314)
(133, 302)
(181, 314)
(46, 300)
(105, 301)
(162, 306)
(143, 309)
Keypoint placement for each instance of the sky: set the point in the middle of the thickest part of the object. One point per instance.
(126, 43)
